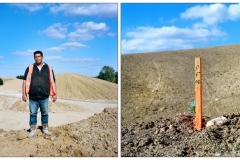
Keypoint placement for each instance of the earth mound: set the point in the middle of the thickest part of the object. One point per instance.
(76, 86)
(93, 137)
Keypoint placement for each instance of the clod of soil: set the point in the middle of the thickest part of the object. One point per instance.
(177, 137)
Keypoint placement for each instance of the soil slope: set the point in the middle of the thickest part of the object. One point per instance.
(92, 137)
(76, 86)
(156, 91)
(160, 85)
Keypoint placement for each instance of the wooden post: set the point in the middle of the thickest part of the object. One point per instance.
(198, 93)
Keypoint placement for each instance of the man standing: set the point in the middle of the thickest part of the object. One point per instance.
(38, 84)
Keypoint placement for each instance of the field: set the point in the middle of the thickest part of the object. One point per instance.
(157, 87)
(83, 120)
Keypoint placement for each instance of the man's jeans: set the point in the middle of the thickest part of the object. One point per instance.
(33, 107)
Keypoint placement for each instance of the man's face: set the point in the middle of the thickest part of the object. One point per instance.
(38, 58)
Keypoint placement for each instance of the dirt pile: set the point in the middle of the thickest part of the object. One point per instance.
(76, 86)
(11, 84)
(178, 138)
(71, 86)
(161, 84)
(95, 137)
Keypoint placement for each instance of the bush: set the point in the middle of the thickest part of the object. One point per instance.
(20, 77)
(116, 77)
(107, 73)
(1, 81)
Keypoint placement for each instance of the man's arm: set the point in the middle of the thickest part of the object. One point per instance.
(54, 97)
(56, 88)
(24, 95)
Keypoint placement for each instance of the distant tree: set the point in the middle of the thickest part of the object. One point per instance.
(20, 77)
(116, 77)
(107, 73)
(1, 81)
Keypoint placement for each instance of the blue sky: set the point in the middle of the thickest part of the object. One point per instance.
(74, 38)
(164, 27)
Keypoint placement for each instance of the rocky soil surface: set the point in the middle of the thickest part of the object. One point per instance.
(177, 137)
(96, 136)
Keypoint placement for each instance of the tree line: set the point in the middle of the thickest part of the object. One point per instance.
(20, 77)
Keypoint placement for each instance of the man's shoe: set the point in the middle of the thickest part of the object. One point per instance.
(32, 131)
(45, 130)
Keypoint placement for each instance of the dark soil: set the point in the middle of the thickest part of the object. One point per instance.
(178, 138)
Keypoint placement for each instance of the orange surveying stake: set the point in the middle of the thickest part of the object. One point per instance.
(198, 93)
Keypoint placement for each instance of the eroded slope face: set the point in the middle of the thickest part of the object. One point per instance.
(162, 84)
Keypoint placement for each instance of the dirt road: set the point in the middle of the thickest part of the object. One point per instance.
(14, 113)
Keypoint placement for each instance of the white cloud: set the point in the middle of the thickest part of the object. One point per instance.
(110, 34)
(101, 10)
(56, 30)
(205, 28)
(1, 57)
(81, 34)
(91, 26)
(80, 60)
(71, 60)
(55, 49)
(145, 39)
(24, 53)
(199, 25)
(71, 45)
(234, 11)
(213, 14)
(84, 31)
(29, 7)
(53, 58)
(87, 30)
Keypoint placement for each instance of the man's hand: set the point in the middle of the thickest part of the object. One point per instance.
(54, 98)
(24, 97)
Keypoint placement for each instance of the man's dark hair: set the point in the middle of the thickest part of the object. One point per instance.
(38, 52)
